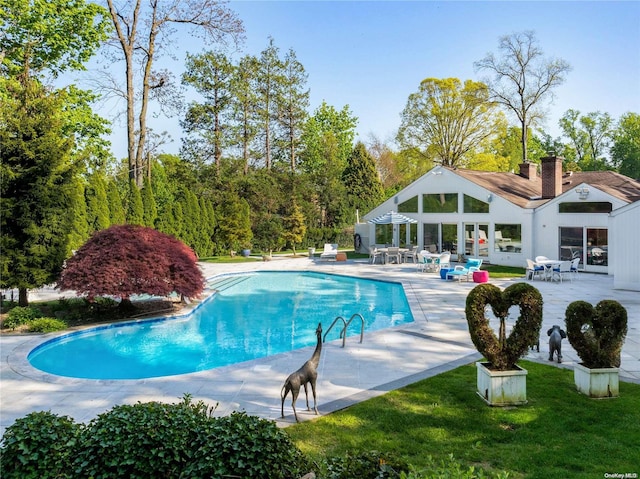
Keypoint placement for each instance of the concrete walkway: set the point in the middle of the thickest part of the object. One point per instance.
(437, 341)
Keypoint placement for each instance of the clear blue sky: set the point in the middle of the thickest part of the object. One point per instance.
(371, 55)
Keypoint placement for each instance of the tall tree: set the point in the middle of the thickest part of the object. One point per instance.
(207, 124)
(268, 86)
(361, 180)
(446, 120)
(625, 151)
(97, 203)
(328, 141)
(293, 106)
(142, 34)
(36, 187)
(49, 36)
(244, 109)
(522, 79)
(589, 135)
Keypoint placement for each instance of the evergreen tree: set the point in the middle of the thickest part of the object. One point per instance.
(149, 209)
(294, 227)
(363, 186)
(79, 225)
(135, 210)
(97, 203)
(36, 181)
(234, 228)
(116, 210)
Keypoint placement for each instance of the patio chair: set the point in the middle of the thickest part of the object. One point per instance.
(534, 270)
(393, 254)
(330, 252)
(374, 254)
(412, 253)
(421, 260)
(564, 269)
(575, 262)
(465, 271)
(445, 260)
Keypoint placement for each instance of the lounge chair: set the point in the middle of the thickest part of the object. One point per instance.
(534, 270)
(465, 271)
(330, 252)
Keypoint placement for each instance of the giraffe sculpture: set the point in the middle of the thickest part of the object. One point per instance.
(308, 373)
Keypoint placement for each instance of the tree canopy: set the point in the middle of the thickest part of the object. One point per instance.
(125, 260)
(446, 120)
(522, 78)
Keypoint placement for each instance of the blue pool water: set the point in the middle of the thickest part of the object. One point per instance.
(250, 316)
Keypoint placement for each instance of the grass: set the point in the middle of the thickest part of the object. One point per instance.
(559, 433)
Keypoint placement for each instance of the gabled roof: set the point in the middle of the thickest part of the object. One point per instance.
(527, 193)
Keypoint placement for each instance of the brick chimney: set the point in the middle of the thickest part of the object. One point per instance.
(551, 176)
(528, 170)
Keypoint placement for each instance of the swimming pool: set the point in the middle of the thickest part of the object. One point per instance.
(249, 316)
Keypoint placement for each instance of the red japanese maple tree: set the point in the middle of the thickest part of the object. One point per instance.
(126, 259)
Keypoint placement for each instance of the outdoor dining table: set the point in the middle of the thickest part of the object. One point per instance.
(429, 256)
(385, 253)
(549, 264)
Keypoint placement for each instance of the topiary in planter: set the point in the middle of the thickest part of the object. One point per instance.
(503, 352)
(597, 334)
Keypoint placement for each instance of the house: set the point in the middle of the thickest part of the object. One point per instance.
(506, 218)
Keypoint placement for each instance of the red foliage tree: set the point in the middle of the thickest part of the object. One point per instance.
(126, 259)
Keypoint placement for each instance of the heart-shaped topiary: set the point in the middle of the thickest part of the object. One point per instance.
(597, 334)
(503, 352)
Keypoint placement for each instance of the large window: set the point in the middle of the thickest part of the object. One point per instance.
(409, 206)
(476, 239)
(440, 203)
(474, 205)
(408, 234)
(431, 237)
(585, 207)
(384, 234)
(591, 245)
(508, 238)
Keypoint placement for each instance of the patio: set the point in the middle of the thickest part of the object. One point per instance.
(437, 341)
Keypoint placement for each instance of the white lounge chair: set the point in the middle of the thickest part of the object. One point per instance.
(330, 252)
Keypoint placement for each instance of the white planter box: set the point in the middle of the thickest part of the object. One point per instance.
(597, 383)
(502, 388)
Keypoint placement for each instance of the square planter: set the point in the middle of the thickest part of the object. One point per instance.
(502, 388)
(597, 383)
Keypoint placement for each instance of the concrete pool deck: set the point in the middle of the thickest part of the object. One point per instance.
(437, 341)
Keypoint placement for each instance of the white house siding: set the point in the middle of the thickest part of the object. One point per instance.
(624, 257)
(546, 238)
(441, 180)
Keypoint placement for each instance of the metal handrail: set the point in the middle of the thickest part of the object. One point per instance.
(345, 325)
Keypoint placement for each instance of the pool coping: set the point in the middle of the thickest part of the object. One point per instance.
(435, 342)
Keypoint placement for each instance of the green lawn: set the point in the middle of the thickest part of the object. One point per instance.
(559, 433)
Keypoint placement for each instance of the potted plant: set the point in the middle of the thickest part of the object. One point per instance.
(597, 334)
(500, 381)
